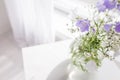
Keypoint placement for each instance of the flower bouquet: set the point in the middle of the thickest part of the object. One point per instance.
(99, 35)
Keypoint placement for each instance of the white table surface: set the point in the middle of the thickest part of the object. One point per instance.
(40, 60)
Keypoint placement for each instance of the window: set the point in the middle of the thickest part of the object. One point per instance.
(62, 9)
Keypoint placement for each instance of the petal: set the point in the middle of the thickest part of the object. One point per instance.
(118, 6)
(110, 4)
(117, 27)
(100, 6)
(107, 27)
(83, 25)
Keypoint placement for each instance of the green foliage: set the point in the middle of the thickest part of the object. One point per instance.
(97, 42)
(87, 48)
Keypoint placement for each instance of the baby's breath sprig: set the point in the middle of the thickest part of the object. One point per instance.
(101, 38)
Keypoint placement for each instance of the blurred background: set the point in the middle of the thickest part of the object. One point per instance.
(26, 23)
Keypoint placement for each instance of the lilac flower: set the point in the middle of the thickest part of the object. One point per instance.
(117, 27)
(83, 25)
(107, 27)
(102, 5)
(118, 6)
(110, 4)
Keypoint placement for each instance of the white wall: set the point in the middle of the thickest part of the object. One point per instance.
(4, 22)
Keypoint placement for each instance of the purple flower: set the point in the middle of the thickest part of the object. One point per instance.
(110, 4)
(102, 5)
(118, 6)
(107, 27)
(83, 25)
(117, 27)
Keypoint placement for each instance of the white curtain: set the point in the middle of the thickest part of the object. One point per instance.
(31, 21)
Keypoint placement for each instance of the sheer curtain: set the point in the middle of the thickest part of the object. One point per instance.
(31, 21)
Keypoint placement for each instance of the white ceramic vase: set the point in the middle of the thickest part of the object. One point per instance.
(76, 74)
